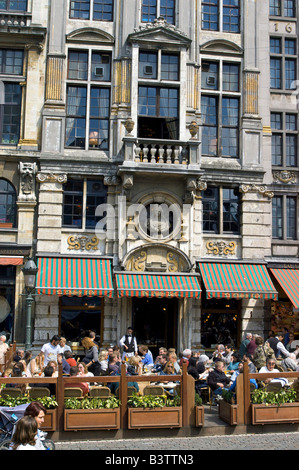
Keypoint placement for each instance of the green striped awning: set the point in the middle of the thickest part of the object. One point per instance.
(157, 285)
(237, 281)
(288, 279)
(74, 277)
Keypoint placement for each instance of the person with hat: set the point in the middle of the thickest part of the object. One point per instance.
(129, 344)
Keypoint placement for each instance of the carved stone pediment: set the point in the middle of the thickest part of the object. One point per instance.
(90, 36)
(160, 32)
(221, 46)
(157, 258)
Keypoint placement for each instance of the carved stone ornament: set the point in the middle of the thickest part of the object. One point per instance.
(158, 23)
(245, 188)
(27, 181)
(51, 178)
(193, 129)
(284, 176)
(129, 125)
(221, 248)
(157, 258)
(88, 243)
(112, 180)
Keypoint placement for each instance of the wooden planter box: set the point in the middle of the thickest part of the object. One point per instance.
(228, 412)
(50, 423)
(273, 414)
(199, 416)
(153, 418)
(91, 420)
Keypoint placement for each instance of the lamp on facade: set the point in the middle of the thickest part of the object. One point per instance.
(30, 270)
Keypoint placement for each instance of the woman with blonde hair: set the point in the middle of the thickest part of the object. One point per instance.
(36, 365)
(103, 360)
(135, 361)
(91, 358)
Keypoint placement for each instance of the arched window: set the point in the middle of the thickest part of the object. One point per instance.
(8, 210)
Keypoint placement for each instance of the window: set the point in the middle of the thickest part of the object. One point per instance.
(283, 63)
(221, 207)
(13, 5)
(284, 139)
(81, 198)
(152, 9)
(283, 8)
(11, 74)
(88, 104)
(284, 217)
(158, 106)
(8, 208)
(220, 108)
(101, 10)
(221, 15)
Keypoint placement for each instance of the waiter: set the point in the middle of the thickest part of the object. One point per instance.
(129, 344)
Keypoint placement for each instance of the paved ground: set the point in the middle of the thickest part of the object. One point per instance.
(267, 442)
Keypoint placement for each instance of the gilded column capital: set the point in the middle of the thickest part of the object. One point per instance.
(51, 178)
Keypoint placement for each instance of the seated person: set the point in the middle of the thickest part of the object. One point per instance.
(161, 352)
(236, 375)
(146, 355)
(48, 372)
(17, 371)
(234, 364)
(159, 366)
(270, 367)
(135, 365)
(113, 364)
(74, 372)
(172, 357)
(70, 359)
(168, 370)
(186, 354)
(217, 380)
(218, 353)
(65, 365)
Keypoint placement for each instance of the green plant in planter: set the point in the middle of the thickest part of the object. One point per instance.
(198, 400)
(147, 401)
(228, 396)
(261, 396)
(47, 402)
(91, 403)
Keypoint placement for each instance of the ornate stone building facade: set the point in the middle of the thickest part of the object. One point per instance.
(156, 140)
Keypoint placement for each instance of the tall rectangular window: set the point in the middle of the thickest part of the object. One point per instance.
(88, 104)
(221, 210)
(101, 10)
(284, 217)
(11, 65)
(283, 63)
(220, 109)
(277, 217)
(284, 139)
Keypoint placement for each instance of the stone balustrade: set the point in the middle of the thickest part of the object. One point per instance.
(14, 19)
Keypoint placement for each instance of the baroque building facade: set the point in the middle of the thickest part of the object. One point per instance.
(154, 169)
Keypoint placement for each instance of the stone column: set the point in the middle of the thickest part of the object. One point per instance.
(26, 203)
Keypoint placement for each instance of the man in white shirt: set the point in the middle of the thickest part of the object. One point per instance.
(270, 368)
(51, 349)
(129, 344)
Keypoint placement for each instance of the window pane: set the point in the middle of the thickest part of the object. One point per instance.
(210, 14)
(73, 204)
(275, 9)
(78, 65)
(210, 122)
(275, 46)
(276, 121)
(291, 150)
(169, 67)
(290, 74)
(289, 8)
(231, 16)
(14, 5)
(276, 144)
(291, 218)
(291, 122)
(80, 9)
(148, 65)
(168, 102)
(96, 195)
(149, 10)
(210, 210)
(167, 10)
(275, 73)
(230, 77)
(230, 122)
(76, 117)
(290, 46)
(11, 114)
(277, 217)
(103, 10)
(209, 75)
(230, 210)
(100, 109)
(8, 198)
(147, 101)
(11, 61)
(101, 66)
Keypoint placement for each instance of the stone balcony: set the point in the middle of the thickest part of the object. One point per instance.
(14, 19)
(154, 154)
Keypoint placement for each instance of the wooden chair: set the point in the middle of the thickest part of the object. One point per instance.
(39, 392)
(273, 387)
(11, 392)
(73, 392)
(155, 390)
(131, 391)
(101, 392)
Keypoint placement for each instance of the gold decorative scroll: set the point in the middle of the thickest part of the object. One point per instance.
(221, 248)
(82, 243)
